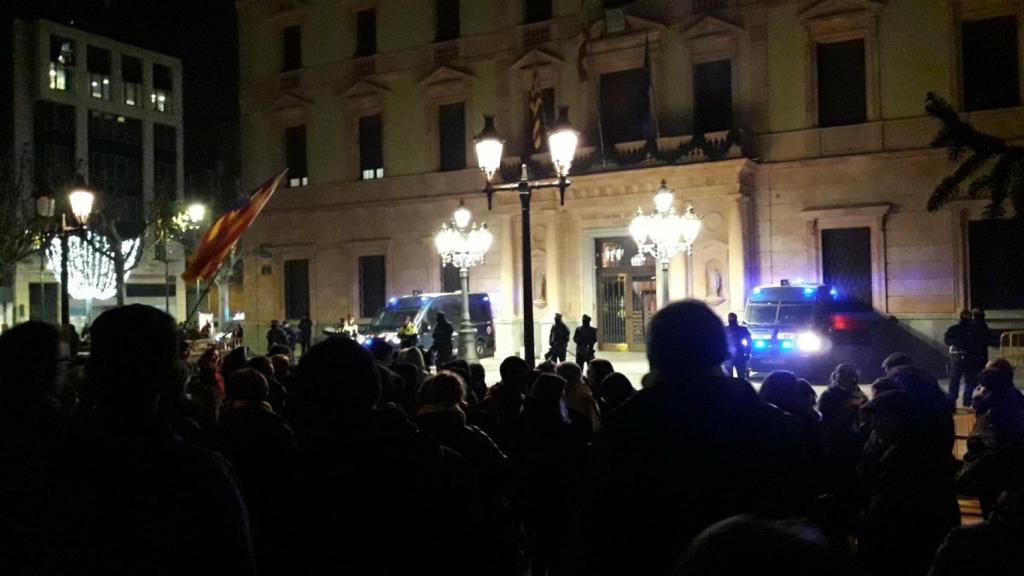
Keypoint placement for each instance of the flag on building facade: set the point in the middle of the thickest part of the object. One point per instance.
(584, 47)
(536, 103)
(218, 241)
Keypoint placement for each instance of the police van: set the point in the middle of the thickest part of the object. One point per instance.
(798, 326)
(423, 309)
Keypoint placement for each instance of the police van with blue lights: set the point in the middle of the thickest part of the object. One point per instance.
(797, 326)
(423, 309)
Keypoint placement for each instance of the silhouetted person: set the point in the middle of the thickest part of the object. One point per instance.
(991, 548)
(583, 409)
(616, 389)
(994, 461)
(597, 370)
(305, 332)
(276, 336)
(408, 336)
(551, 468)
(682, 453)
(976, 357)
(277, 393)
(585, 338)
(504, 404)
(206, 389)
(558, 340)
(895, 360)
(796, 397)
(739, 346)
(143, 501)
(843, 440)
(32, 522)
(743, 545)
(958, 338)
(476, 385)
(261, 447)
(911, 503)
(443, 333)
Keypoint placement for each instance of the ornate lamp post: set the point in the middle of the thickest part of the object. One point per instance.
(562, 141)
(81, 201)
(663, 234)
(464, 245)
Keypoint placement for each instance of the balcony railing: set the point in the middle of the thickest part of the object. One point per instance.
(536, 34)
(365, 66)
(447, 52)
(708, 5)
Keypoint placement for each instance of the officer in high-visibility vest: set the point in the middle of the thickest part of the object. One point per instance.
(407, 335)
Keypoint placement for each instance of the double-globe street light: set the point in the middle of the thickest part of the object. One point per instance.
(81, 200)
(463, 245)
(664, 233)
(562, 141)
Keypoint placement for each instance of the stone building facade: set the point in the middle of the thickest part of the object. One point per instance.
(795, 128)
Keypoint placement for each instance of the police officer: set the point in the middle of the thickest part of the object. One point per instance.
(977, 353)
(958, 338)
(558, 340)
(443, 331)
(739, 346)
(407, 334)
(585, 338)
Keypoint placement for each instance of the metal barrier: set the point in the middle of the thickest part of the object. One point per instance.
(1011, 347)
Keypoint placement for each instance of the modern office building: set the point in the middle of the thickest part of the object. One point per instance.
(795, 128)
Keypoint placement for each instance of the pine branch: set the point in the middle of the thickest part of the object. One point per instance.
(949, 189)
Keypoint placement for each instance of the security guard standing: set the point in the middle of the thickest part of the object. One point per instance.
(958, 338)
(443, 332)
(407, 334)
(739, 346)
(558, 341)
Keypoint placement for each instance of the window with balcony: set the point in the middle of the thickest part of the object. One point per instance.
(62, 64)
(712, 95)
(131, 80)
(163, 88)
(295, 156)
(98, 64)
(371, 148)
(451, 122)
(366, 32)
(447, 20)
(625, 105)
(991, 63)
(842, 83)
(291, 48)
(537, 11)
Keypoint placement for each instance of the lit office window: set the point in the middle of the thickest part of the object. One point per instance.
(163, 87)
(131, 80)
(62, 64)
(98, 64)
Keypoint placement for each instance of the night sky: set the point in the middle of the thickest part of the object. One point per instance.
(202, 33)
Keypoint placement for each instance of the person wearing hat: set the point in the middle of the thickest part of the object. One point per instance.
(558, 340)
(692, 448)
(585, 338)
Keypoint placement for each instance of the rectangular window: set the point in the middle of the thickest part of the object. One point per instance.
(295, 155)
(296, 288)
(991, 63)
(98, 64)
(131, 79)
(54, 131)
(996, 252)
(43, 302)
(163, 87)
(547, 109)
(165, 160)
(451, 123)
(447, 20)
(291, 48)
(62, 64)
(366, 32)
(450, 280)
(625, 105)
(712, 95)
(842, 83)
(846, 264)
(371, 147)
(537, 11)
(372, 285)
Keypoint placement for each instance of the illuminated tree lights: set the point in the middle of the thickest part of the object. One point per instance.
(91, 271)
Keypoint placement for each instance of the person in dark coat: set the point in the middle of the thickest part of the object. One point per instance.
(615, 390)
(959, 337)
(978, 337)
(558, 340)
(503, 405)
(305, 332)
(585, 338)
(911, 503)
(443, 333)
(277, 393)
(145, 502)
(735, 448)
(994, 461)
(842, 441)
(739, 346)
(276, 336)
(990, 548)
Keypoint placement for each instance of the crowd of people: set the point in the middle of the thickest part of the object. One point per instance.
(362, 461)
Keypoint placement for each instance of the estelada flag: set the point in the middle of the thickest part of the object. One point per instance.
(218, 241)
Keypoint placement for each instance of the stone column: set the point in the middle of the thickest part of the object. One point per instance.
(739, 242)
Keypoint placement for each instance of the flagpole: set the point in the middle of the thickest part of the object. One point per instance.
(201, 294)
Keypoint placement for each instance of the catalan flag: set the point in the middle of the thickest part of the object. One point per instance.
(218, 241)
(536, 115)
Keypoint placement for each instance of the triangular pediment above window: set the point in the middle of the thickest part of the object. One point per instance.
(363, 89)
(831, 8)
(289, 8)
(537, 58)
(289, 101)
(708, 27)
(445, 75)
(631, 25)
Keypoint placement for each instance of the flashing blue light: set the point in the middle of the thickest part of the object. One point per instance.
(423, 298)
(787, 344)
(760, 344)
(392, 300)
(757, 290)
(487, 298)
(834, 293)
(808, 291)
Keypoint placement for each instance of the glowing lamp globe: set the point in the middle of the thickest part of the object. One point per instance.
(562, 141)
(81, 201)
(489, 146)
(196, 212)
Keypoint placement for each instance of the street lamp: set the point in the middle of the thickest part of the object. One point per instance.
(464, 245)
(81, 201)
(663, 234)
(183, 222)
(562, 141)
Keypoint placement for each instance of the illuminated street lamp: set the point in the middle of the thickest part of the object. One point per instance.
(81, 200)
(464, 245)
(664, 233)
(562, 142)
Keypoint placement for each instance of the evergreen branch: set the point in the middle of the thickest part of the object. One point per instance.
(949, 189)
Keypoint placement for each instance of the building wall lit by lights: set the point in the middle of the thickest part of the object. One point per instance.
(795, 128)
(86, 105)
